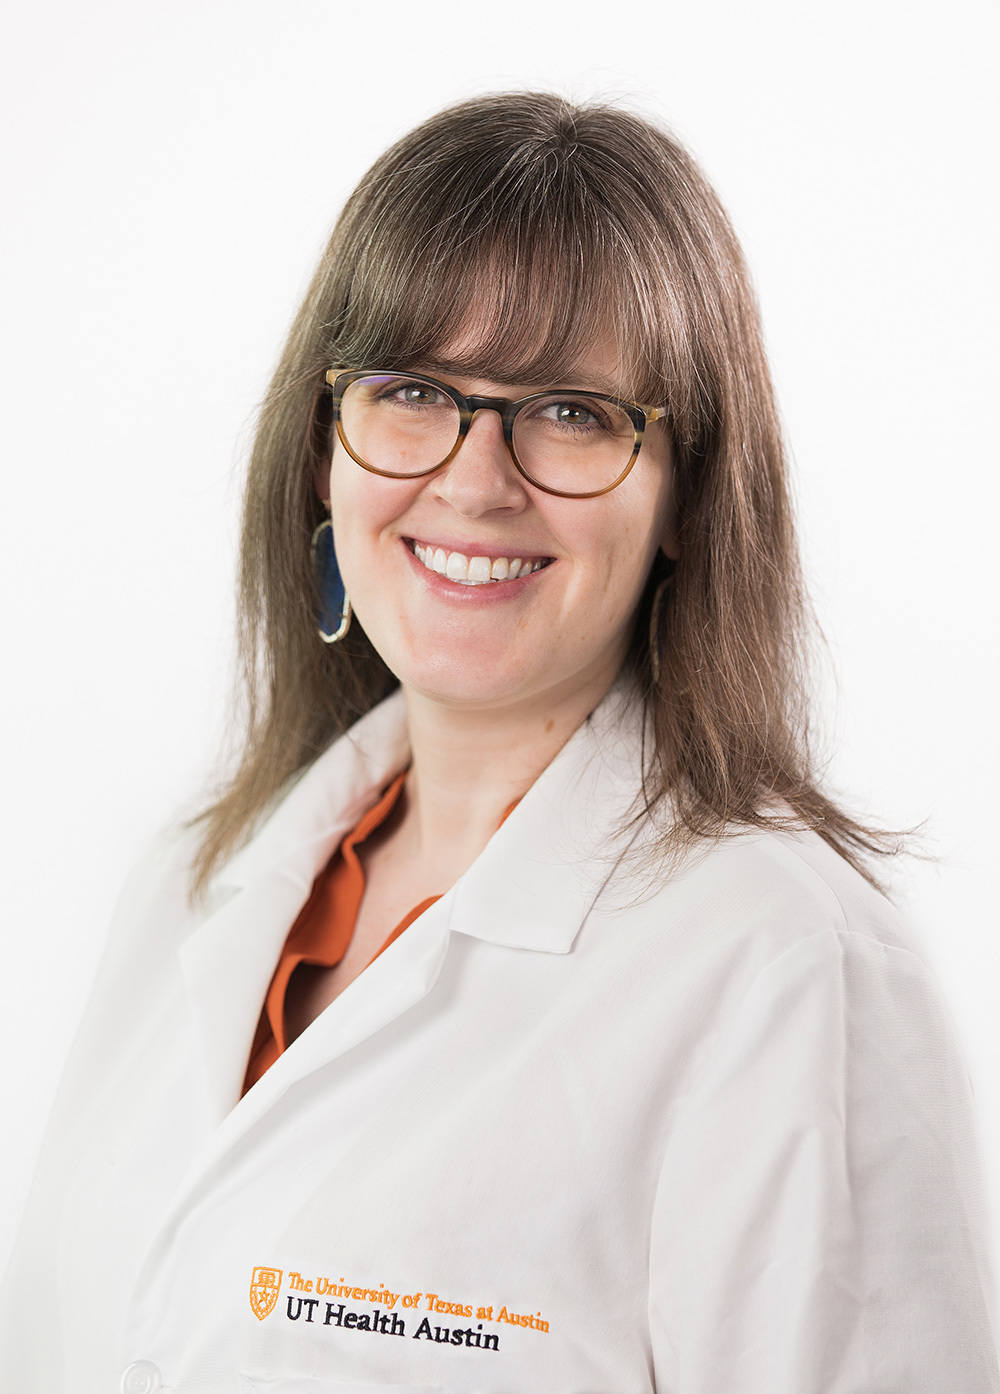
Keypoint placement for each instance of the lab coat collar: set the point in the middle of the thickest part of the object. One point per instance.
(327, 800)
(531, 888)
(532, 885)
(536, 880)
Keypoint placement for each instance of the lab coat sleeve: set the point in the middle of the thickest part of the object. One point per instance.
(820, 1221)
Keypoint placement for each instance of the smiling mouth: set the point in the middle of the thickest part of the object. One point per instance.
(475, 571)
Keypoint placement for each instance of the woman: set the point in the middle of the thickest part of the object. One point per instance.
(522, 1016)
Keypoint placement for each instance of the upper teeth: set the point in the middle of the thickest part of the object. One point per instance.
(475, 571)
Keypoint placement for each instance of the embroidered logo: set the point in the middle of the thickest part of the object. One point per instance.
(264, 1288)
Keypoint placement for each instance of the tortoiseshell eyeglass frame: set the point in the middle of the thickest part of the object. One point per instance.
(340, 380)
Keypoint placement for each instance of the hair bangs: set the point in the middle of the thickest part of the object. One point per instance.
(518, 287)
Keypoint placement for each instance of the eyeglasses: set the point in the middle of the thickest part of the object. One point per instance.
(573, 444)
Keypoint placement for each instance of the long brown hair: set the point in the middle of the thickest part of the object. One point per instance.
(550, 222)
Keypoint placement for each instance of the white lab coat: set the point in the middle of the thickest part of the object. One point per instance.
(564, 1136)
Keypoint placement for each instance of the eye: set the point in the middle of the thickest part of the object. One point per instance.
(417, 394)
(403, 392)
(573, 414)
(577, 414)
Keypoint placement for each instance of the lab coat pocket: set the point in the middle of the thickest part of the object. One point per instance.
(302, 1384)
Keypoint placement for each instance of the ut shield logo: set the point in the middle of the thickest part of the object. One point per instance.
(264, 1288)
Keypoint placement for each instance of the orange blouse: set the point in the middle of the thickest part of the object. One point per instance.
(323, 931)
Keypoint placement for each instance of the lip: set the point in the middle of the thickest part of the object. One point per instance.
(496, 593)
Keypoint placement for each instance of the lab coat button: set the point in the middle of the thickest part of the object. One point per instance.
(142, 1377)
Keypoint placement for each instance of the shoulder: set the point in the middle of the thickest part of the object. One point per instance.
(785, 886)
(155, 910)
(764, 889)
(756, 905)
(291, 836)
(806, 993)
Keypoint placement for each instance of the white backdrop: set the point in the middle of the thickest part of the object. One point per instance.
(172, 172)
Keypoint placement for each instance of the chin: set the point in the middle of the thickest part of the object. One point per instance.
(458, 661)
(460, 679)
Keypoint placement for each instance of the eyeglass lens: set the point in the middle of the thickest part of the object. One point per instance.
(568, 441)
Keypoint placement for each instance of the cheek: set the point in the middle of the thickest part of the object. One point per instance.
(362, 504)
(616, 540)
(347, 489)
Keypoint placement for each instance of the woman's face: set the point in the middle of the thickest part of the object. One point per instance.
(537, 638)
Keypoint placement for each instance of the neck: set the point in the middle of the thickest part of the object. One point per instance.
(470, 764)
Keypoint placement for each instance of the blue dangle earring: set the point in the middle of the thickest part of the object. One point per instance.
(334, 618)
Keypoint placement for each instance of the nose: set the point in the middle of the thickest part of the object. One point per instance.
(482, 477)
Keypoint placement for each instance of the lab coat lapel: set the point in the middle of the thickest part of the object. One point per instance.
(228, 960)
(391, 985)
(227, 965)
